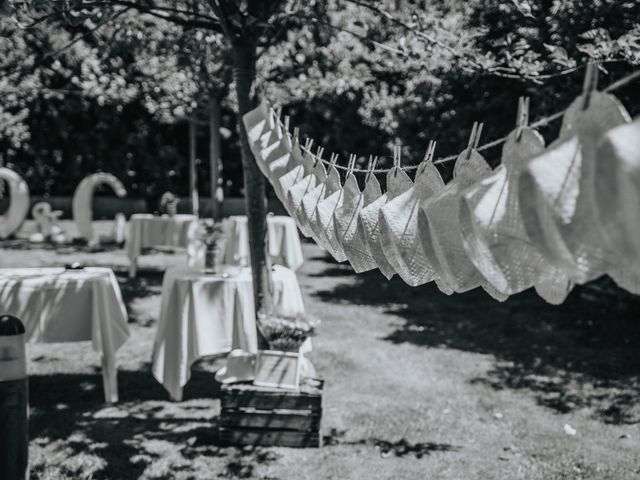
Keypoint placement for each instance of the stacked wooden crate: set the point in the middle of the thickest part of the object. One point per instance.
(253, 415)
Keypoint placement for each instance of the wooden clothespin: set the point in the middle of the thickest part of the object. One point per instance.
(428, 157)
(286, 122)
(333, 160)
(278, 111)
(308, 143)
(523, 116)
(352, 163)
(474, 138)
(590, 83)
(373, 161)
(296, 133)
(318, 155)
(397, 157)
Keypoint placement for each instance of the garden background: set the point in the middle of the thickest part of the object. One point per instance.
(82, 96)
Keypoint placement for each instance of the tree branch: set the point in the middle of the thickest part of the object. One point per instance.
(184, 18)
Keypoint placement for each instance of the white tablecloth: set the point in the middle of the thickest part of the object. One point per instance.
(58, 305)
(284, 242)
(146, 230)
(204, 315)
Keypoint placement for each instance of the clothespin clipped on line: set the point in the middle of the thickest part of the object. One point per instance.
(333, 160)
(318, 155)
(373, 161)
(428, 156)
(286, 122)
(352, 163)
(397, 157)
(308, 143)
(590, 83)
(474, 138)
(523, 116)
(296, 133)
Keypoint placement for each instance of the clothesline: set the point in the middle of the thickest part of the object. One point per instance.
(538, 123)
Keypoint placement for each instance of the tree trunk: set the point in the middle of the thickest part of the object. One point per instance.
(214, 153)
(193, 189)
(244, 74)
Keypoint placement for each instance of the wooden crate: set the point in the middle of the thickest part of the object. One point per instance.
(253, 415)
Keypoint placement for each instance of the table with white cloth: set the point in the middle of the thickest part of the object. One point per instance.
(146, 230)
(284, 241)
(58, 305)
(210, 314)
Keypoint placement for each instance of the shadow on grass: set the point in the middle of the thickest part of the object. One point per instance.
(146, 434)
(146, 284)
(144, 428)
(335, 270)
(581, 354)
(399, 448)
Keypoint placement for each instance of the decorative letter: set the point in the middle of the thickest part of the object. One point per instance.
(18, 203)
(83, 202)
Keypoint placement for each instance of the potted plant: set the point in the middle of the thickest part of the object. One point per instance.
(280, 366)
(169, 204)
(212, 235)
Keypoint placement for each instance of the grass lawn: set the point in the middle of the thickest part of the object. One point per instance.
(418, 385)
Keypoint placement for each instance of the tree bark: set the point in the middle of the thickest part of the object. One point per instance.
(193, 189)
(214, 153)
(244, 74)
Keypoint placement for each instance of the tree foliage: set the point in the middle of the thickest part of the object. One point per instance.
(357, 76)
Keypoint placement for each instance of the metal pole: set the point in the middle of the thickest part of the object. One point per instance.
(193, 189)
(14, 401)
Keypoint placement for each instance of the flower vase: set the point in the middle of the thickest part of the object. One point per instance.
(212, 258)
(172, 208)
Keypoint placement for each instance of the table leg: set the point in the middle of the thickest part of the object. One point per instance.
(133, 267)
(109, 379)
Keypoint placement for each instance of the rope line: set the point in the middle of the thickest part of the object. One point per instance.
(538, 123)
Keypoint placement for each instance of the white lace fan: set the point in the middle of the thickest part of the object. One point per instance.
(617, 198)
(316, 195)
(349, 231)
(303, 168)
(325, 213)
(273, 145)
(556, 188)
(283, 165)
(398, 182)
(442, 213)
(399, 224)
(297, 192)
(257, 123)
(491, 224)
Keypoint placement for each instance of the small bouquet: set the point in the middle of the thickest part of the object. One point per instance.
(287, 333)
(212, 235)
(169, 204)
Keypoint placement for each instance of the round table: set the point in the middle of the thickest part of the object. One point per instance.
(58, 305)
(146, 230)
(284, 241)
(205, 314)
